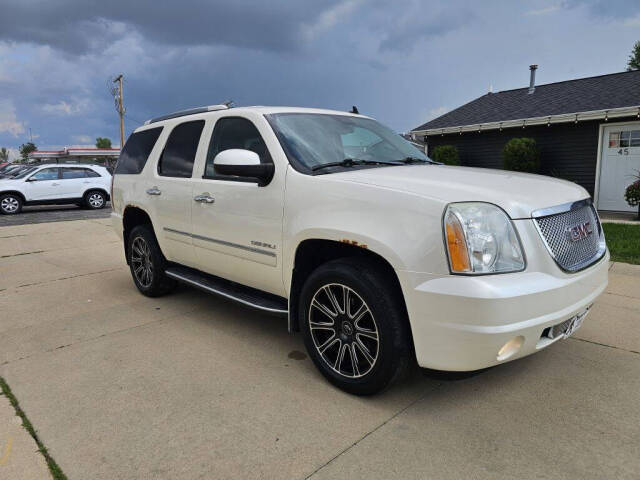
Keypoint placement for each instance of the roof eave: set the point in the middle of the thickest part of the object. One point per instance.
(546, 120)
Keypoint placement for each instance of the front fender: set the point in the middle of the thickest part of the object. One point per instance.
(403, 228)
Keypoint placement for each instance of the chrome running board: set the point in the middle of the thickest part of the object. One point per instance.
(248, 296)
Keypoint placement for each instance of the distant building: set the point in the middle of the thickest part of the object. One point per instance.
(77, 154)
(588, 131)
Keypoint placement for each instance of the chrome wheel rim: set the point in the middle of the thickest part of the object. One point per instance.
(96, 200)
(10, 204)
(343, 330)
(141, 262)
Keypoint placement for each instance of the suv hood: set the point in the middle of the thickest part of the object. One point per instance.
(518, 194)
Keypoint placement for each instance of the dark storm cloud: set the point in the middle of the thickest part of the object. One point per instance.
(608, 8)
(410, 33)
(80, 26)
(401, 61)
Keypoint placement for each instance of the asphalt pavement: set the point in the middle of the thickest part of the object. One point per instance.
(53, 213)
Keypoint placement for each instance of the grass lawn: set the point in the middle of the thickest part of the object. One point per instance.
(623, 241)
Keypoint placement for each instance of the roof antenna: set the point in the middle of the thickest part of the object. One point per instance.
(354, 109)
(228, 103)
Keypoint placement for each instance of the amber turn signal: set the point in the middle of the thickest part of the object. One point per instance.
(457, 245)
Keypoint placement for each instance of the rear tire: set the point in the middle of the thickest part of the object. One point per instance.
(147, 263)
(95, 200)
(359, 339)
(10, 204)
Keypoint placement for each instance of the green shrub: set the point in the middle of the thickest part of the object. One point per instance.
(521, 155)
(447, 154)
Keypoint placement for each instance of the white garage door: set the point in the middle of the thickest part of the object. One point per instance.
(620, 160)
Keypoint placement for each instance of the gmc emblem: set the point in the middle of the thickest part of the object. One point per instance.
(580, 231)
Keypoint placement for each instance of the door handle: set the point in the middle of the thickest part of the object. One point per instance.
(204, 198)
(55, 184)
(154, 191)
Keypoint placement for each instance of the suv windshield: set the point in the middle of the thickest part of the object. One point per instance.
(312, 140)
(21, 173)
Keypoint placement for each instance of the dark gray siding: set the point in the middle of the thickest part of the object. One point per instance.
(568, 150)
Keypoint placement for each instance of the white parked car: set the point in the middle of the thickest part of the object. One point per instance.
(53, 184)
(377, 254)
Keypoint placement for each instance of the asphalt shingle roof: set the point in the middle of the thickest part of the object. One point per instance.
(603, 92)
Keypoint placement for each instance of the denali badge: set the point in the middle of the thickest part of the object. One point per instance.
(580, 231)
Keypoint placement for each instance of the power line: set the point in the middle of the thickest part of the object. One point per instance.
(133, 120)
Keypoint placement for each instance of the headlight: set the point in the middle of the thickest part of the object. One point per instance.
(480, 238)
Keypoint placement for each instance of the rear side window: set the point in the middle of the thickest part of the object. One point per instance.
(69, 173)
(136, 151)
(91, 173)
(180, 151)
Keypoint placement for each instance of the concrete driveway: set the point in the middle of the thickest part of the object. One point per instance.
(120, 386)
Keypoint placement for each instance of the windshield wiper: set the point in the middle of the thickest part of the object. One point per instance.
(351, 162)
(412, 160)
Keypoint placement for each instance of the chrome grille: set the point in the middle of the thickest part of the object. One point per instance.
(572, 253)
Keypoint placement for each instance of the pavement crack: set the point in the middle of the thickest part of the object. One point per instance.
(14, 236)
(20, 254)
(331, 460)
(102, 335)
(69, 277)
(621, 295)
(604, 345)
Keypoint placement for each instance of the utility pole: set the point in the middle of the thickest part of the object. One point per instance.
(120, 107)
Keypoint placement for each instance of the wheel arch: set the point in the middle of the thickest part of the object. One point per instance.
(15, 192)
(311, 253)
(131, 218)
(94, 189)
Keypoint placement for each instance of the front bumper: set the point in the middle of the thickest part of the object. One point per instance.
(460, 323)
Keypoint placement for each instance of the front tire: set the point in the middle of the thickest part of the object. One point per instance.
(95, 200)
(147, 263)
(10, 204)
(354, 326)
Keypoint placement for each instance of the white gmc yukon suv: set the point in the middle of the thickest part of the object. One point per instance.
(374, 252)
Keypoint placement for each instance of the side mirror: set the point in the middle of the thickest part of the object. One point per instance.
(243, 163)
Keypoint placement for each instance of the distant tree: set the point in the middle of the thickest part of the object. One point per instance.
(26, 149)
(447, 154)
(4, 154)
(634, 58)
(521, 155)
(103, 142)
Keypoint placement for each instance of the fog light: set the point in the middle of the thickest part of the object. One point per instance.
(510, 348)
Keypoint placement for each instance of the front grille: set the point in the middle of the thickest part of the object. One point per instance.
(567, 239)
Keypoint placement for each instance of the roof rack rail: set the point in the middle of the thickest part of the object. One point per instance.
(189, 111)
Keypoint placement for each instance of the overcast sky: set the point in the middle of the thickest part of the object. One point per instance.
(400, 61)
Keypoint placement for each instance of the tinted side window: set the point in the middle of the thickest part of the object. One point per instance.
(180, 151)
(45, 174)
(90, 173)
(136, 151)
(69, 173)
(235, 132)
